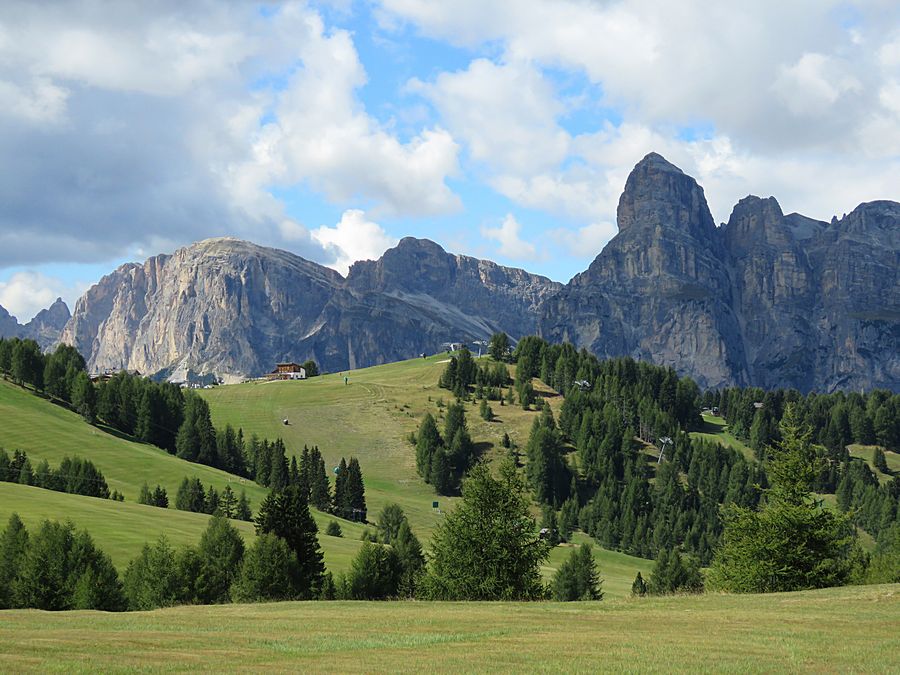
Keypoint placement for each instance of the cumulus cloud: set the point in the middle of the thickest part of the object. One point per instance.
(793, 100)
(353, 238)
(511, 243)
(26, 293)
(140, 125)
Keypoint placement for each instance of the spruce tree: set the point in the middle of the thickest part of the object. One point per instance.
(639, 586)
(374, 574)
(428, 441)
(356, 491)
(221, 551)
(389, 521)
(13, 545)
(242, 511)
(412, 560)
(577, 578)
(270, 571)
(152, 579)
(84, 397)
(790, 543)
(487, 547)
(286, 514)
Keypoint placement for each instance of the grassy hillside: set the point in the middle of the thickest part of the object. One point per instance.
(867, 453)
(369, 415)
(369, 418)
(833, 630)
(48, 431)
(122, 528)
(715, 428)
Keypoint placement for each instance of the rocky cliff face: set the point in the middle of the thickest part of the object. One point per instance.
(45, 328)
(233, 308)
(767, 299)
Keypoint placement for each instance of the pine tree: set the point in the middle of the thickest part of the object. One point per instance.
(412, 560)
(286, 514)
(320, 490)
(577, 578)
(341, 496)
(441, 476)
(84, 397)
(428, 441)
(487, 547)
(389, 521)
(356, 491)
(152, 579)
(639, 587)
(374, 573)
(790, 543)
(221, 551)
(227, 502)
(145, 497)
(880, 462)
(13, 544)
(270, 571)
(242, 512)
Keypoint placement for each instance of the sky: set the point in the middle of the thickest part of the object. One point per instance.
(503, 129)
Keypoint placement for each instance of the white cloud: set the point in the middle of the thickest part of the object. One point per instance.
(814, 83)
(353, 238)
(40, 101)
(323, 136)
(505, 113)
(511, 244)
(26, 293)
(585, 241)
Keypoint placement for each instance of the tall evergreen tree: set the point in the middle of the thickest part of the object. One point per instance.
(577, 578)
(487, 547)
(790, 543)
(13, 545)
(286, 514)
(221, 552)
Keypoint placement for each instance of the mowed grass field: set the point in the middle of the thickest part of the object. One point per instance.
(851, 629)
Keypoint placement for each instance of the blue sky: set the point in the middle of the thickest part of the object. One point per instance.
(498, 128)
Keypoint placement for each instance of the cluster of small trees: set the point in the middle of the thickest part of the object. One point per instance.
(442, 460)
(193, 497)
(56, 568)
(463, 372)
(74, 475)
(389, 567)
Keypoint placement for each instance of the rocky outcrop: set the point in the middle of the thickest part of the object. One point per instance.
(766, 299)
(45, 328)
(234, 308)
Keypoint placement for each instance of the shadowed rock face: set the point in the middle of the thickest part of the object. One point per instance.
(45, 328)
(234, 308)
(767, 299)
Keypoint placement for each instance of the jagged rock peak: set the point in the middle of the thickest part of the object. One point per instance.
(754, 222)
(659, 195)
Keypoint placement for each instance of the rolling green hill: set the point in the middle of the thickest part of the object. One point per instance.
(850, 629)
(369, 418)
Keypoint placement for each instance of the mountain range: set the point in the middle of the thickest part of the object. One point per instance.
(766, 299)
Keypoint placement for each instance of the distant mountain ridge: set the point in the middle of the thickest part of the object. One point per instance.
(45, 328)
(767, 299)
(235, 308)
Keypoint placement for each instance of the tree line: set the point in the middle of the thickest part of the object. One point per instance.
(74, 475)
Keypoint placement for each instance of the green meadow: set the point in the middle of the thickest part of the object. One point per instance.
(852, 629)
(369, 418)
